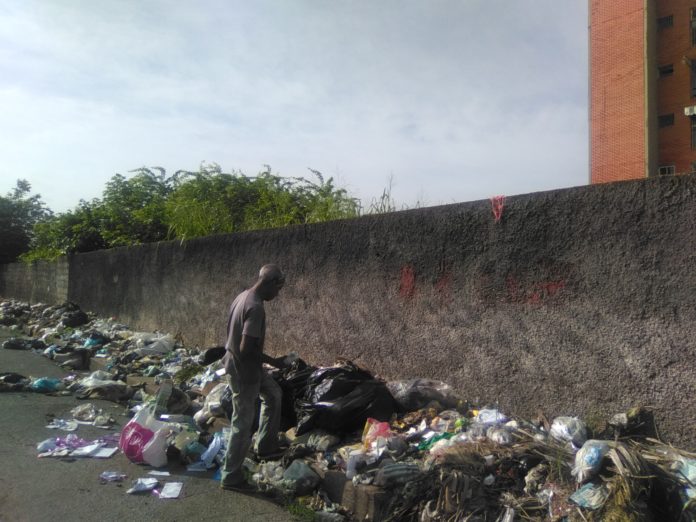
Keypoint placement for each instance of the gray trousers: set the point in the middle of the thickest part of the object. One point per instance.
(247, 385)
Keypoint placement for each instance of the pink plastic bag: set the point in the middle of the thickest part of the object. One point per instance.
(139, 431)
(374, 430)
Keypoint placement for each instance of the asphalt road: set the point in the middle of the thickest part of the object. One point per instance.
(33, 489)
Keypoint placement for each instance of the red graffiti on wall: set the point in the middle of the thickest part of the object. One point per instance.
(443, 286)
(407, 285)
(533, 294)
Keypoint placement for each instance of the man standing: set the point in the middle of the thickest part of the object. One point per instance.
(246, 329)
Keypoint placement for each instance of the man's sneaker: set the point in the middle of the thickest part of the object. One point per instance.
(272, 455)
(240, 487)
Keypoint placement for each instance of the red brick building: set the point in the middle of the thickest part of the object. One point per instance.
(642, 88)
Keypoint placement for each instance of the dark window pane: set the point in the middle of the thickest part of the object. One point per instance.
(665, 120)
(664, 22)
(666, 70)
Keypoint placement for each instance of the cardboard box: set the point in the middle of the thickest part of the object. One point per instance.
(151, 387)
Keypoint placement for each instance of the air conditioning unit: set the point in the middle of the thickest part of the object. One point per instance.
(690, 111)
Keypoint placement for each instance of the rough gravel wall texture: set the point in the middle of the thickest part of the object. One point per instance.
(41, 281)
(579, 301)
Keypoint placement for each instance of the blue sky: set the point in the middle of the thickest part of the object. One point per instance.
(454, 100)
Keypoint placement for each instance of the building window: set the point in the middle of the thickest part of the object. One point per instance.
(693, 167)
(664, 22)
(693, 133)
(665, 120)
(693, 78)
(693, 27)
(666, 170)
(666, 70)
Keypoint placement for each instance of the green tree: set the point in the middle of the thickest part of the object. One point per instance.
(19, 212)
(132, 210)
(77, 230)
(149, 206)
(212, 202)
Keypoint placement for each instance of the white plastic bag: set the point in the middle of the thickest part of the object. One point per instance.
(588, 460)
(137, 435)
(570, 429)
(155, 345)
(155, 451)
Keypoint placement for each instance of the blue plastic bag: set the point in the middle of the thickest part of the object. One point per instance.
(46, 385)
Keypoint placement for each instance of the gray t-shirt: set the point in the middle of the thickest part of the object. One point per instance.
(247, 317)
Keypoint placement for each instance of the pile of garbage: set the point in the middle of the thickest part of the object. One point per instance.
(416, 448)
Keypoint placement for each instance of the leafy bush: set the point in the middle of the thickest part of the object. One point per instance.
(149, 206)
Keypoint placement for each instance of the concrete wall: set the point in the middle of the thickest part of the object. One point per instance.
(41, 281)
(579, 301)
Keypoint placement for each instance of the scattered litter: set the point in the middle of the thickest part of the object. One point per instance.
(112, 476)
(142, 485)
(46, 385)
(62, 424)
(171, 490)
(104, 453)
(590, 496)
(437, 456)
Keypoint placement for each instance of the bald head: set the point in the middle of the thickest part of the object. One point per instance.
(271, 280)
(271, 272)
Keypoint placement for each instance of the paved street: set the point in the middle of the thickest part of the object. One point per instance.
(33, 489)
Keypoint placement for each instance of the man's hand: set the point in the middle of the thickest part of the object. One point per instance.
(276, 362)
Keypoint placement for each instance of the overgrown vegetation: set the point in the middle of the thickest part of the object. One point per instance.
(152, 206)
(19, 213)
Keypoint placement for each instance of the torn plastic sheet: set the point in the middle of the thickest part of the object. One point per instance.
(112, 476)
(143, 484)
(63, 424)
(170, 490)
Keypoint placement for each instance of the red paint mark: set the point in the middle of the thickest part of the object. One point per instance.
(443, 286)
(552, 287)
(513, 288)
(407, 286)
(497, 204)
(535, 293)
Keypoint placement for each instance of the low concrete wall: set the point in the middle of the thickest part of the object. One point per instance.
(40, 281)
(579, 301)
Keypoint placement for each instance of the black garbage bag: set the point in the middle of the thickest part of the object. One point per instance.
(211, 355)
(10, 381)
(74, 318)
(24, 344)
(293, 382)
(348, 413)
(16, 344)
(335, 387)
(297, 376)
(12, 378)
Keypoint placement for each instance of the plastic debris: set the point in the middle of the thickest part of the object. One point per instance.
(85, 412)
(490, 416)
(62, 424)
(588, 460)
(590, 496)
(171, 490)
(46, 385)
(440, 457)
(112, 476)
(300, 477)
(142, 485)
(570, 429)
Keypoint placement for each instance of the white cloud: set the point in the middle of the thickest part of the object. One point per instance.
(459, 100)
